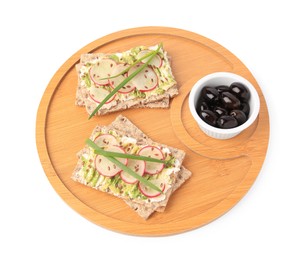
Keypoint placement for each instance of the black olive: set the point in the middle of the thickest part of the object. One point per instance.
(230, 101)
(222, 88)
(227, 122)
(208, 116)
(239, 115)
(209, 94)
(245, 108)
(201, 105)
(219, 111)
(240, 90)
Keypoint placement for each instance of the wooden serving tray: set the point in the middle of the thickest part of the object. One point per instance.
(223, 170)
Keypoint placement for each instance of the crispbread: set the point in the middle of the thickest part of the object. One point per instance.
(152, 101)
(125, 127)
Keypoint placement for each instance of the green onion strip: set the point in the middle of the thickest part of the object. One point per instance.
(110, 156)
(100, 151)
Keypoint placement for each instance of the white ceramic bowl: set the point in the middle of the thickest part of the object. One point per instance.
(223, 78)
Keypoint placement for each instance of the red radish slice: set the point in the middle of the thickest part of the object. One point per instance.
(105, 140)
(97, 94)
(129, 87)
(114, 82)
(102, 69)
(106, 167)
(153, 152)
(156, 61)
(137, 166)
(120, 67)
(149, 192)
(146, 80)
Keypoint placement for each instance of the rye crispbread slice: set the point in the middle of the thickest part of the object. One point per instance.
(125, 127)
(152, 101)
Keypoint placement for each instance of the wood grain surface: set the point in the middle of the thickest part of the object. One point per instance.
(223, 170)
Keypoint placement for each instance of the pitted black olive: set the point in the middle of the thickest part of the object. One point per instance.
(222, 88)
(210, 95)
(209, 117)
(230, 101)
(202, 105)
(220, 111)
(239, 115)
(226, 122)
(240, 91)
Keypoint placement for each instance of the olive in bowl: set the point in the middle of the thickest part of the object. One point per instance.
(224, 104)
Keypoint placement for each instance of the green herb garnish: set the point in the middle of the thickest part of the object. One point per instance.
(126, 80)
(134, 174)
(100, 151)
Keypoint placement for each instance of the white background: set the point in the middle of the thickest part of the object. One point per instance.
(37, 37)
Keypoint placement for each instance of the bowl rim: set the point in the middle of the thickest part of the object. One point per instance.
(254, 111)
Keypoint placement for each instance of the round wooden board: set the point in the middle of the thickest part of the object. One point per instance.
(223, 170)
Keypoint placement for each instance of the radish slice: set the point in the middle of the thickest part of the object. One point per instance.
(146, 80)
(97, 94)
(114, 82)
(149, 192)
(153, 152)
(120, 67)
(105, 140)
(106, 167)
(102, 69)
(137, 166)
(156, 61)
